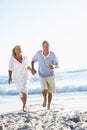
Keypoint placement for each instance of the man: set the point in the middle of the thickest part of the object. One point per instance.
(47, 62)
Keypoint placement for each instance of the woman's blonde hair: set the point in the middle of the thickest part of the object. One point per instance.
(13, 50)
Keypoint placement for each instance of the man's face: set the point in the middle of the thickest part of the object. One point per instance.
(45, 47)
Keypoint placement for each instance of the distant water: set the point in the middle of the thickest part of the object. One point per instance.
(66, 81)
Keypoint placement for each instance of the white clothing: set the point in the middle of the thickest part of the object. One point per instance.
(20, 73)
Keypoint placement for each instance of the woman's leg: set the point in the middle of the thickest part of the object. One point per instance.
(24, 100)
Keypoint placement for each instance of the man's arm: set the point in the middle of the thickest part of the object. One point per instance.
(32, 64)
(33, 70)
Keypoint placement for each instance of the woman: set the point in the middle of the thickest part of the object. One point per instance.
(18, 65)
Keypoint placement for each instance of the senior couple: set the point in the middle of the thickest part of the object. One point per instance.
(18, 68)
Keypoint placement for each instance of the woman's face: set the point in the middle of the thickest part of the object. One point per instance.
(18, 50)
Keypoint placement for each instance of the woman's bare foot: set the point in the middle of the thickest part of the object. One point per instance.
(25, 109)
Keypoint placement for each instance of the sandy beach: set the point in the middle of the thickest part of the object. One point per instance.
(38, 118)
(64, 114)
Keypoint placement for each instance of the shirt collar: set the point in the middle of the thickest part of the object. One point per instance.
(44, 55)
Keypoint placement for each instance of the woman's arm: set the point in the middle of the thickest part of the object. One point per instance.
(10, 76)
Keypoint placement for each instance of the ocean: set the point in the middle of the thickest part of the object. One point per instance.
(67, 81)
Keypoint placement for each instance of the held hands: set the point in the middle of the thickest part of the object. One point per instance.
(33, 71)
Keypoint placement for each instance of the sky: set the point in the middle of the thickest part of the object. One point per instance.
(29, 22)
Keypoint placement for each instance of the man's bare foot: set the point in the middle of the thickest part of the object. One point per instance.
(48, 106)
(44, 104)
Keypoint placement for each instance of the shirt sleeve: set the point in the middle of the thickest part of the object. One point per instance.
(26, 61)
(35, 57)
(55, 60)
(11, 65)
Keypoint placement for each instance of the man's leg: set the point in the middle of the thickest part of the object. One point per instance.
(44, 93)
(51, 89)
(49, 99)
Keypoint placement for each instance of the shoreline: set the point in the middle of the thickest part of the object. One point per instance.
(70, 101)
